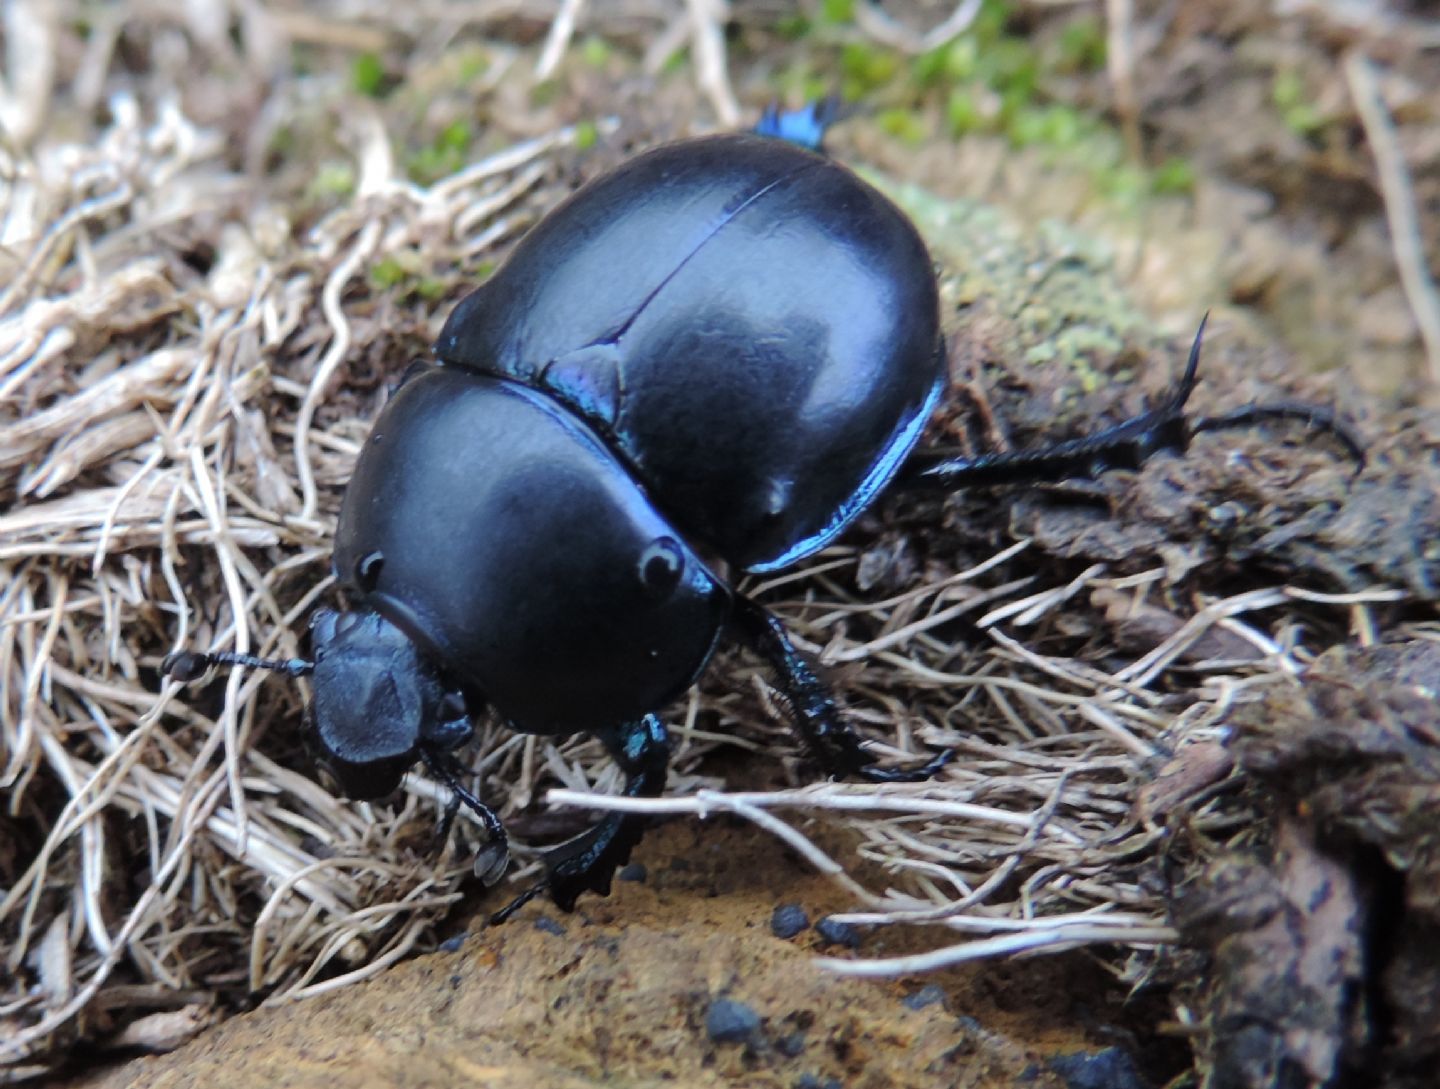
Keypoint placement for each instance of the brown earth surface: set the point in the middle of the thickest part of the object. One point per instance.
(618, 994)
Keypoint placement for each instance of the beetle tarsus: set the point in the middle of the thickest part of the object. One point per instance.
(918, 774)
(832, 741)
(588, 862)
(1314, 417)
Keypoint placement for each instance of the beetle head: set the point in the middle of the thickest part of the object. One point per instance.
(377, 702)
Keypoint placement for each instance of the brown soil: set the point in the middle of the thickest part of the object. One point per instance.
(618, 993)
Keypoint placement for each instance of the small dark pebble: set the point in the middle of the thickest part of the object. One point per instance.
(787, 920)
(636, 871)
(927, 995)
(1108, 1069)
(834, 932)
(452, 945)
(792, 1045)
(969, 1024)
(812, 1081)
(550, 926)
(731, 1022)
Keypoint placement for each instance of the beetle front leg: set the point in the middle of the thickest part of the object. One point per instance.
(588, 862)
(825, 734)
(493, 858)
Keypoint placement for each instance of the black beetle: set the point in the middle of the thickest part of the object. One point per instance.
(709, 361)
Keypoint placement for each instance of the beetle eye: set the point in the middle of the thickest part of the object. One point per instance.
(660, 566)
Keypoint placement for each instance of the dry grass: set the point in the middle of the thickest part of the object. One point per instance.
(179, 523)
(178, 413)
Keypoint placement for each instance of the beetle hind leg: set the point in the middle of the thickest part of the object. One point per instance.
(588, 862)
(831, 740)
(1127, 445)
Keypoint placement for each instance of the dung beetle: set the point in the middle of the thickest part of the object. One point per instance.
(707, 362)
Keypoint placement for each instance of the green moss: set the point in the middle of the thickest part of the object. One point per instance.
(445, 155)
(404, 273)
(471, 63)
(962, 113)
(455, 136)
(1055, 286)
(1124, 184)
(903, 124)
(282, 143)
(793, 27)
(1174, 175)
(431, 289)
(993, 18)
(989, 80)
(595, 52)
(1037, 354)
(367, 75)
(799, 82)
(1299, 114)
(388, 272)
(1054, 126)
(1012, 68)
(1081, 46)
(332, 179)
(585, 135)
(676, 62)
(866, 68)
(951, 63)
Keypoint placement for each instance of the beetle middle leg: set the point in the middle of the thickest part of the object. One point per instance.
(831, 740)
(588, 862)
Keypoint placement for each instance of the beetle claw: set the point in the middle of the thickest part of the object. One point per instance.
(917, 774)
(491, 862)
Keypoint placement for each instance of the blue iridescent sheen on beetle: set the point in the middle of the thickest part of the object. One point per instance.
(707, 362)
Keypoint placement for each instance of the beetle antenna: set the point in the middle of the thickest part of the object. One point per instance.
(185, 665)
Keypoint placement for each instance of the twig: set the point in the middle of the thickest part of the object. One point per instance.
(873, 20)
(832, 796)
(1120, 63)
(1066, 935)
(558, 39)
(707, 26)
(1399, 199)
